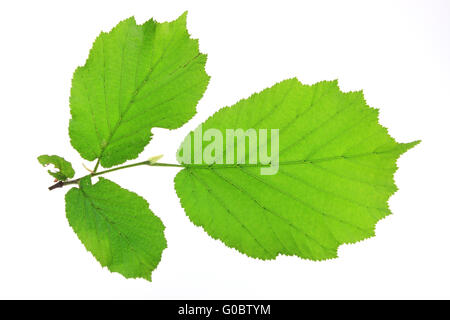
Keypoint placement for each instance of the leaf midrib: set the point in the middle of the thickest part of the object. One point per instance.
(119, 233)
(289, 162)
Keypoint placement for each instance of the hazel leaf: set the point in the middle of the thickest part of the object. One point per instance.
(334, 177)
(136, 77)
(63, 167)
(117, 227)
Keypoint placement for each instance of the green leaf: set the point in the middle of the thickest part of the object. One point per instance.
(136, 77)
(64, 168)
(335, 175)
(117, 227)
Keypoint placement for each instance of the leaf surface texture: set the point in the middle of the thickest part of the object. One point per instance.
(117, 227)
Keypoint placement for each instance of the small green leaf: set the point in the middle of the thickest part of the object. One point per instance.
(117, 227)
(335, 175)
(136, 77)
(64, 168)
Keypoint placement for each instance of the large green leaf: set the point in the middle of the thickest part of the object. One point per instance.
(63, 167)
(136, 77)
(117, 227)
(335, 174)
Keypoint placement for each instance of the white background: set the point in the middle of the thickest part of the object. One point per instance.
(398, 52)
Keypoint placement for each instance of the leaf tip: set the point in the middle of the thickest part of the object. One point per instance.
(410, 145)
(184, 14)
(182, 18)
